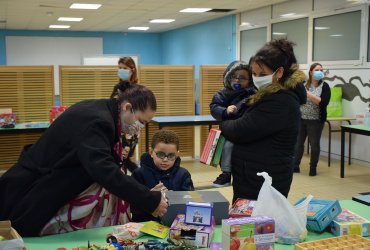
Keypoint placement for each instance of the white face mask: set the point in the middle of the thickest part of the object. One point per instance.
(261, 81)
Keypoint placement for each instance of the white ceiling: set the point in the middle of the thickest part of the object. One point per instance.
(116, 15)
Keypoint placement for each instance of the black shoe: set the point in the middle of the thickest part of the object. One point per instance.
(312, 172)
(297, 170)
(223, 180)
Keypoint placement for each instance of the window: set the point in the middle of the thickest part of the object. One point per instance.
(295, 31)
(251, 41)
(337, 37)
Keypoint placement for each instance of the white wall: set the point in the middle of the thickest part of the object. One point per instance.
(26, 50)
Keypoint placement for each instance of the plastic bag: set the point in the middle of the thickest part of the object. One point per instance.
(290, 221)
(334, 108)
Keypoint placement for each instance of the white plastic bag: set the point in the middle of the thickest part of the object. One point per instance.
(290, 221)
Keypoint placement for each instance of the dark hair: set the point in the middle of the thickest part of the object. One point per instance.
(129, 62)
(309, 81)
(275, 54)
(165, 136)
(138, 95)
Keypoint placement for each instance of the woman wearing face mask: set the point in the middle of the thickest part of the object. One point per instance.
(72, 177)
(265, 135)
(127, 71)
(313, 117)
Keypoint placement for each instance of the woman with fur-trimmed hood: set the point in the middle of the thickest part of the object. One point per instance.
(265, 135)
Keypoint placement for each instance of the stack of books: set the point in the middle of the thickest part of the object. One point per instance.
(212, 151)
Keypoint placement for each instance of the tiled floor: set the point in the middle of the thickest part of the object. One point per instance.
(326, 185)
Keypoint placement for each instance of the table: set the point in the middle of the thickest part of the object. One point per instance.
(97, 235)
(25, 128)
(354, 129)
(175, 121)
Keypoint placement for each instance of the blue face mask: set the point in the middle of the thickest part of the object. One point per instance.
(124, 74)
(318, 75)
(236, 86)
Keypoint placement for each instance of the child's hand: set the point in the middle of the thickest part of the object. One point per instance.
(159, 187)
(231, 109)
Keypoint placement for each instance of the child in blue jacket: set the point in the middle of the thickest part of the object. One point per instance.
(160, 170)
(230, 103)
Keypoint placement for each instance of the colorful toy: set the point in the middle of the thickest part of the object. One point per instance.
(349, 223)
(198, 213)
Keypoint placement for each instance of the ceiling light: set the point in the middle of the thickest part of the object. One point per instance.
(287, 14)
(279, 34)
(336, 35)
(195, 10)
(70, 19)
(162, 20)
(85, 6)
(245, 24)
(59, 26)
(321, 28)
(138, 28)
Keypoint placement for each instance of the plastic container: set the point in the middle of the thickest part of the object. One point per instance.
(367, 117)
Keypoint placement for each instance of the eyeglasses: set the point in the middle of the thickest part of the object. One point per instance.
(240, 78)
(161, 155)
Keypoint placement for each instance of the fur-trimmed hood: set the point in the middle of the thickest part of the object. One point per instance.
(295, 83)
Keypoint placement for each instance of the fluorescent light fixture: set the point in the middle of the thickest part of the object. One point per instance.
(321, 28)
(138, 28)
(336, 35)
(70, 19)
(245, 24)
(85, 6)
(162, 20)
(279, 34)
(59, 26)
(287, 14)
(195, 10)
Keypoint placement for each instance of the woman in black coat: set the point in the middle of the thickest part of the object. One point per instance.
(265, 135)
(77, 150)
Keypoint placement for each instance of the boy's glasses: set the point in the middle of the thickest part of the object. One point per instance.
(240, 78)
(161, 155)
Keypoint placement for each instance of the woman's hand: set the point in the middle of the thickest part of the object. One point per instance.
(162, 208)
(231, 109)
(159, 187)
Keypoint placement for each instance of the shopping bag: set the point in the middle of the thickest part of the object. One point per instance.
(334, 108)
(290, 221)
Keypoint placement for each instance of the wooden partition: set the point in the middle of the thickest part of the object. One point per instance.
(79, 83)
(210, 81)
(29, 91)
(174, 89)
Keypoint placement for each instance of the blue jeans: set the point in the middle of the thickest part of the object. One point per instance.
(311, 129)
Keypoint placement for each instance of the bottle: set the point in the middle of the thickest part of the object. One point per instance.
(367, 117)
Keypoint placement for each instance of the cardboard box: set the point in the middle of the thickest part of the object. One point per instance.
(256, 232)
(349, 223)
(7, 120)
(177, 204)
(199, 236)
(12, 240)
(198, 213)
(320, 213)
(241, 208)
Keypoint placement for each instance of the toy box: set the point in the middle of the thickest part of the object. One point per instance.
(7, 120)
(336, 243)
(320, 213)
(199, 236)
(177, 204)
(56, 111)
(349, 223)
(12, 240)
(198, 213)
(241, 208)
(128, 231)
(256, 232)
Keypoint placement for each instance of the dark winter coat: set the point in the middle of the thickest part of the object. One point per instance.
(264, 137)
(176, 178)
(73, 153)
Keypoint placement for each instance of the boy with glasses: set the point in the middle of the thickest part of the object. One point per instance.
(229, 103)
(160, 170)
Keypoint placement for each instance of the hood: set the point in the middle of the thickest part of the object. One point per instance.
(230, 72)
(295, 83)
(146, 161)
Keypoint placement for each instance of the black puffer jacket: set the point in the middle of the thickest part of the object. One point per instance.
(265, 136)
